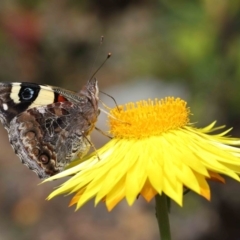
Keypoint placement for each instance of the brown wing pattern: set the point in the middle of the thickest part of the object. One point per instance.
(47, 138)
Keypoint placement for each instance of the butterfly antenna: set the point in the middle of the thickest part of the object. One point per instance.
(96, 57)
(111, 98)
(108, 56)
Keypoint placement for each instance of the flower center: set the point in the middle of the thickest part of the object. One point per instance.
(148, 118)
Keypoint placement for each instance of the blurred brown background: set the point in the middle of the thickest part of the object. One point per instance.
(182, 48)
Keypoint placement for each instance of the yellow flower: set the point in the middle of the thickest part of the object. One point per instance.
(154, 149)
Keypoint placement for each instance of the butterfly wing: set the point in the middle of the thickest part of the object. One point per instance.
(48, 126)
(16, 98)
(46, 138)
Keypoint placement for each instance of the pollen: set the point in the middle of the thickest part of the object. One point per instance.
(148, 118)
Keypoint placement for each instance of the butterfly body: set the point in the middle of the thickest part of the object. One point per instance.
(48, 126)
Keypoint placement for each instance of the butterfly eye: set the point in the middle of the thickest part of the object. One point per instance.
(27, 94)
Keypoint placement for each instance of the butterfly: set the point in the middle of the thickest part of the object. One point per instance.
(48, 126)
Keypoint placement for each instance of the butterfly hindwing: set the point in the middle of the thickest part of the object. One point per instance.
(48, 126)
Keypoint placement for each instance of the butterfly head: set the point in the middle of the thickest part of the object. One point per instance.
(91, 91)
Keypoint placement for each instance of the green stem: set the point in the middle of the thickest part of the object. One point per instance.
(162, 216)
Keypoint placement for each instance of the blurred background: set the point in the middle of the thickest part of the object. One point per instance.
(188, 49)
